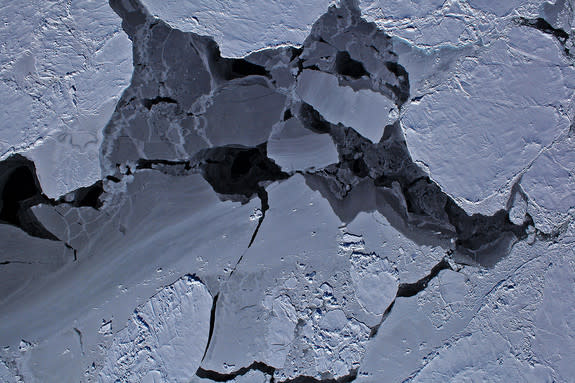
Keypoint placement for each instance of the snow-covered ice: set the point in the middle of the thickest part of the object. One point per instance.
(252, 191)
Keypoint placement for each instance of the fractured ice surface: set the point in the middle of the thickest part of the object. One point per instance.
(63, 68)
(172, 324)
(241, 27)
(549, 185)
(497, 113)
(372, 9)
(389, 199)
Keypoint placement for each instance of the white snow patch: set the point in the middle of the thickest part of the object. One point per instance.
(554, 339)
(166, 336)
(374, 278)
(375, 282)
(280, 331)
(240, 27)
(374, 10)
(550, 185)
(6, 375)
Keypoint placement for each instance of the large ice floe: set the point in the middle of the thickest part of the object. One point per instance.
(281, 191)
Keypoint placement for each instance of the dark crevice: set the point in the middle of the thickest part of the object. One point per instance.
(545, 27)
(263, 196)
(228, 69)
(20, 190)
(407, 290)
(132, 13)
(113, 179)
(150, 102)
(312, 67)
(420, 202)
(160, 164)
(239, 170)
(269, 370)
(212, 324)
(410, 289)
(15, 262)
(80, 339)
(474, 231)
(418, 98)
(401, 90)
(295, 52)
(346, 66)
(68, 246)
(219, 377)
(236, 171)
(384, 316)
(88, 196)
(239, 68)
(313, 120)
(327, 49)
(308, 379)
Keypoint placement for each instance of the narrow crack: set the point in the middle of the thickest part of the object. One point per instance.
(407, 290)
(80, 339)
(263, 196)
(235, 172)
(212, 324)
(410, 289)
(269, 370)
(240, 172)
(150, 102)
(17, 262)
(219, 377)
(19, 191)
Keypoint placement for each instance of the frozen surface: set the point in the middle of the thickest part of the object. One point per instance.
(375, 9)
(294, 147)
(549, 184)
(497, 112)
(173, 323)
(374, 191)
(241, 27)
(64, 66)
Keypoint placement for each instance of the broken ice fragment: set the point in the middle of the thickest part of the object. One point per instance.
(364, 110)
